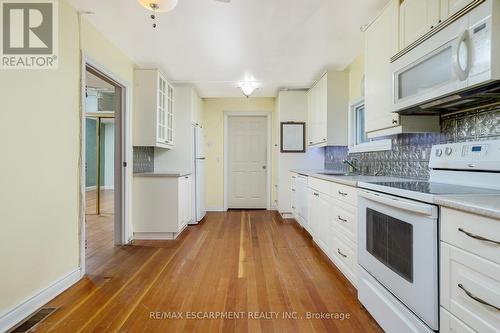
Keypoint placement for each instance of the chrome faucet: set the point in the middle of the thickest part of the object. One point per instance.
(352, 164)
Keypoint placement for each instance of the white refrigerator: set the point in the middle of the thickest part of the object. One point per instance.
(199, 173)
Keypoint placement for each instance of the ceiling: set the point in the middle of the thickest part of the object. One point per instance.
(214, 45)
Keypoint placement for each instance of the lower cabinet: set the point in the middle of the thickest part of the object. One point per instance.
(332, 223)
(470, 273)
(162, 206)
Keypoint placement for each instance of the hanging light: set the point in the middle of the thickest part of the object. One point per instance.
(247, 87)
(158, 6)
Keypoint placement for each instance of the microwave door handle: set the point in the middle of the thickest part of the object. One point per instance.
(462, 43)
(399, 203)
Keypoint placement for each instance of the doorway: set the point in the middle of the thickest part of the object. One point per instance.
(103, 167)
(247, 161)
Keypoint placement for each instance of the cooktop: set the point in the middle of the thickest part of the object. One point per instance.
(435, 188)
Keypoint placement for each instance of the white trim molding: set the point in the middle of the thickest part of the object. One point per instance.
(269, 169)
(29, 306)
(375, 145)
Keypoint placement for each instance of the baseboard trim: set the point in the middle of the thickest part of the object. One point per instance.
(155, 235)
(21, 311)
(215, 209)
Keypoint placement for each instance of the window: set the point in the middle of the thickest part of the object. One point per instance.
(358, 139)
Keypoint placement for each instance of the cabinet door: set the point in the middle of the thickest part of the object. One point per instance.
(324, 222)
(381, 43)
(311, 212)
(417, 17)
(170, 115)
(450, 7)
(322, 112)
(161, 132)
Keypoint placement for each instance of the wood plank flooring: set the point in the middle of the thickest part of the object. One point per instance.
(237, 261)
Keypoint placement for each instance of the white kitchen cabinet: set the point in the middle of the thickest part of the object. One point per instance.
(154, 109)
(416, 18)
(332, 218)
(450, 7)
(293, 196)
(162, 206)
(328, 102)
(469, 272)
(301, 197)
(381, 43)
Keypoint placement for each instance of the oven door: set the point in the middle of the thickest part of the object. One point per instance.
(398, 246)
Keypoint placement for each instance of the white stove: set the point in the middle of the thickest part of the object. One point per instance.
(398, 237)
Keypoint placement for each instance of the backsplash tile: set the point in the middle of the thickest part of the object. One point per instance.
(410, 153)
(144, 159)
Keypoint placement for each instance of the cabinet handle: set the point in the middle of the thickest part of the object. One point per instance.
(477, 299)
(316, 194)
(342, 193)
(478, 237)
(324, 139)
(339, 252)
(293, 207)
(341, 219)
(293, 190)
(187, 177)
(394, 121)
(432, 27)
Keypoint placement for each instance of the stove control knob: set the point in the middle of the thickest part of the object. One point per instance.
(448, 151)
(439, 152)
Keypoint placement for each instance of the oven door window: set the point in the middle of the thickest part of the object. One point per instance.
(390, 241)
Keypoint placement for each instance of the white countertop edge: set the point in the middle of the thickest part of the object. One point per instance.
(173, 174)
(487, 205)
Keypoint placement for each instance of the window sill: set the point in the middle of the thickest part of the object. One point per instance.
(377, 145)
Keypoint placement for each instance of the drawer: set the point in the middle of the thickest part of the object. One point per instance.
(468, 281)
(463, 230)
(344, 253)
(450, 324)
(319, 185)
(345, 219)
(344, 193)
(293, 180)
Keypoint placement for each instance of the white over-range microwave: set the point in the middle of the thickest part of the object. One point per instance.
(456, 68)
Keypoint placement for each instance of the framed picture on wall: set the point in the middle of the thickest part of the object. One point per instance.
(293, 137)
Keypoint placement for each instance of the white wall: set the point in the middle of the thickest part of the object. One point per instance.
(292, 106)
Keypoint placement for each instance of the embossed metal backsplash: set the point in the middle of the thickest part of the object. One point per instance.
(144, 159)
(410, 153)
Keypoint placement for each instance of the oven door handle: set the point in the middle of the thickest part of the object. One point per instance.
(413, 207)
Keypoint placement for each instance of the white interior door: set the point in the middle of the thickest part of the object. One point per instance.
(247, 162)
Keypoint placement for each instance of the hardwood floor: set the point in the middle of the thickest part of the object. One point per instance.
(99, 229)
(249, 261)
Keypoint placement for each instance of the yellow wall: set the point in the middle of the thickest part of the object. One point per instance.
(40, 128)
(39, 191)
(356, 72)
(213, 120)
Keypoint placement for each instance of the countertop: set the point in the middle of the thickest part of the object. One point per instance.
(173, 174)
(347, 180)
(486, 205)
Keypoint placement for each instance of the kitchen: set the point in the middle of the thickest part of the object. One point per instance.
(357, 191)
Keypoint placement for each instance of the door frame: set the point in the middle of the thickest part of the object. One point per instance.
(122, 232)
(268, 116)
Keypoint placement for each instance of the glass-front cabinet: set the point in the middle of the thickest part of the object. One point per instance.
(154, 110)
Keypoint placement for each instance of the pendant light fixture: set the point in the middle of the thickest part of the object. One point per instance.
(158, 6)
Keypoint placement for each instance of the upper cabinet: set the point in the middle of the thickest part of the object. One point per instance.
(154, 110)
(417, 17)
(328, 101)
(381, 43)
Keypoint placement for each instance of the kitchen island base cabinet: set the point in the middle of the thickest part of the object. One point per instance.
(162, 207)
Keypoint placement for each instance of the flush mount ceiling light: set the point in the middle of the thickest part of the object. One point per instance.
(248, 87)
(158, 6)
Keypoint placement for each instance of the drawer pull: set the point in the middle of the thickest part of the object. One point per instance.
(477, 299)
(293, 207)
(478, 237)
(293, 190)
(342, 193)
(341, 219)
(316, 194)
(339, 252)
